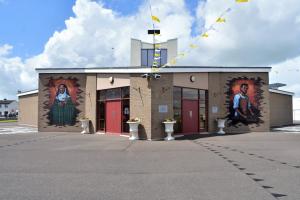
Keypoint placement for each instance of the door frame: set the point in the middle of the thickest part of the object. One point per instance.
(198, 120)
(108, 101)
(122, 99)
(200, 130)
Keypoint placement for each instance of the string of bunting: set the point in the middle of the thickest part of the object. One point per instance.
(204, 34)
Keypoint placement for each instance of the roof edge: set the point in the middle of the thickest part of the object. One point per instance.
(281, 92)
(169, 69)
(27, 93)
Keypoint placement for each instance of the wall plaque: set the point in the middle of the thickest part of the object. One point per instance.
(215, 109)
(163, 108)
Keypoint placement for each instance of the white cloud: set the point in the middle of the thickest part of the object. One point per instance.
(15, 74)
(287, 72)
(5, 50)
(97, 36)
(258, 33)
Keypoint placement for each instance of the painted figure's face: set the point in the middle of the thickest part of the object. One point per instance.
(244, 89)
(61, 89)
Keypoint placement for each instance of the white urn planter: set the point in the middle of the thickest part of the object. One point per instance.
(221, 125)
(169, 129)
(134, 129)
(85, 126)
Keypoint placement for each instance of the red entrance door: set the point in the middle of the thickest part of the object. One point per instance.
(189, 116)
(113, 116)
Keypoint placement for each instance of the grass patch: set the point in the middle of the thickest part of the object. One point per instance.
(9, 120)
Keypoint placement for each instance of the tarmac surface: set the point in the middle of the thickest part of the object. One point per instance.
(254, 166)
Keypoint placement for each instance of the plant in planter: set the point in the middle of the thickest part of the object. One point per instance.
(169, 128)
(221, 124)
(85, 125)
(133, 128)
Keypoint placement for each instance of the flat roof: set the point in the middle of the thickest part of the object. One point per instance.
(6, 101)
(168, 69)
(27, 93)
(281, 92)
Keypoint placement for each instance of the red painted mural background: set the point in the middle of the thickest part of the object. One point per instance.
(53, 88)
(252, 90)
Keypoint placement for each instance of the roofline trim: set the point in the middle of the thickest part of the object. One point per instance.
(137, 70)
(27, 93)
(281, 92)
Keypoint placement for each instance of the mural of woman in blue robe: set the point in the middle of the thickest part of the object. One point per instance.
(63, 111)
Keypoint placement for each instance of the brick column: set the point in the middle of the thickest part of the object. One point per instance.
(145, 98)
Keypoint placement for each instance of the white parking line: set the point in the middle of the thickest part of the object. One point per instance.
(17, 130)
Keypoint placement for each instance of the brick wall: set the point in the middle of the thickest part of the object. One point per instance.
(145, 98)
(140, 104)
(90, 103)
(281, 109)
(162, 94)
(28, 110)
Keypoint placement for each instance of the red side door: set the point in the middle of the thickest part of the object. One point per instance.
(190, 114)
(113, 116)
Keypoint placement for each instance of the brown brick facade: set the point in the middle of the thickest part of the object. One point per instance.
(161, 95)
(140, 104)
(28, 110)
(281, 108)
(145, 98)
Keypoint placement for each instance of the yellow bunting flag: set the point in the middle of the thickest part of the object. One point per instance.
(181, 54)
(154, 18)
(157, 45)
(156, 55)
(154, 69)
(241, 1)
(205, 35)
(173, 61)
(221, 20)
(193, 46)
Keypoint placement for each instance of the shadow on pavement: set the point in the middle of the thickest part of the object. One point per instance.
(205, 135)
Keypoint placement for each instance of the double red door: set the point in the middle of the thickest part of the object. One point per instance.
(190, 115)
(114, 116)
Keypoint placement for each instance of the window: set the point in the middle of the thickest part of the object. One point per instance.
(6, 106)
(113, 93)
(147, 57)
(177, 108)
(203, 123)
(191, 94)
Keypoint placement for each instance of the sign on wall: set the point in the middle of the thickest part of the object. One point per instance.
(163, 108)
(244, 99)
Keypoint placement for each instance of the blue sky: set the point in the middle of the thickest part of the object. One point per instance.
(28, 24)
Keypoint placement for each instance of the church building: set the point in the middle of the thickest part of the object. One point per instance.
(194, 96)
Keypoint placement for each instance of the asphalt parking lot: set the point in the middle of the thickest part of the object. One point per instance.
(75, 166)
